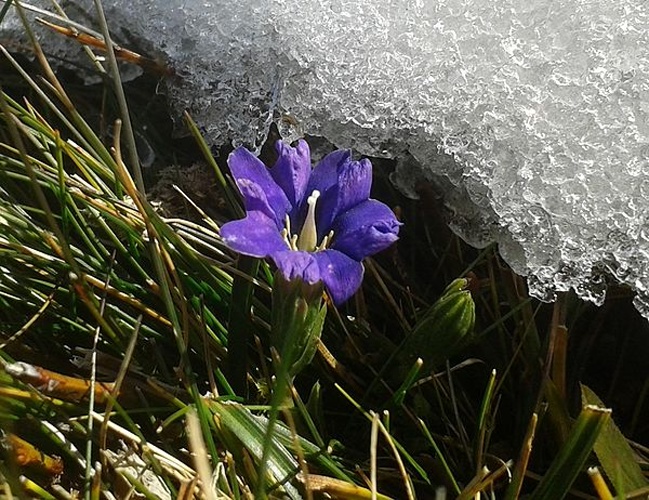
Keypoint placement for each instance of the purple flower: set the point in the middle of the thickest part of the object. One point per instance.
(315, 224)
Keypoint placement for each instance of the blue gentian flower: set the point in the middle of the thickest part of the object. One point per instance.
(316, 224)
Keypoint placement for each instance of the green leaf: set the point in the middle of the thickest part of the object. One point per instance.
(251, 432)
(614, 453)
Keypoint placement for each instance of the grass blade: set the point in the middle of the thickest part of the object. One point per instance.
(570, 460)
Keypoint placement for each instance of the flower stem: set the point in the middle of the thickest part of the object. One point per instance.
(296, 325)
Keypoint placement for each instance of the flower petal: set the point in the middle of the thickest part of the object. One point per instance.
(324, 178)
(296, 264)
(254, 179)
(352, 186)
(341, 275)
(256, 235)
(325, 174)
(255, 200)
(292, 169)
(364, 230)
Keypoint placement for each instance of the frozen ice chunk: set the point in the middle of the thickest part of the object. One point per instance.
(533, 116)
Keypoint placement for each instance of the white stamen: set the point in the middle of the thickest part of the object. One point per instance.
(325, 241)
(308, 239)
(285, 237)
(287, 224)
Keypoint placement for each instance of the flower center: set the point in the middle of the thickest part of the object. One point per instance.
(307, 241)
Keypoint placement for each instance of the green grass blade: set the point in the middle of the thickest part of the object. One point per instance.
(4, 10)
(134, 160)
(440, 456)
(570, 460)
(240, 326)
(484, 422)
(231, 196)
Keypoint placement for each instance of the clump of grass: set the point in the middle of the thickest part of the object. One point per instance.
(136, 359)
